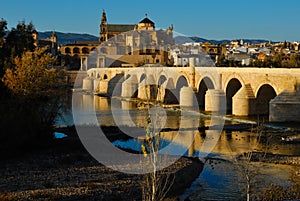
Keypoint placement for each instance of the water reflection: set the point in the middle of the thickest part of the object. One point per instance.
(222, 180)
(226, 148)
(179, 129)
(216, 182)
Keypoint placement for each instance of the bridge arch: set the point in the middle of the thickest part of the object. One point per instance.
(232, 87)
(182, 77)
(114, 84)
(68, 50)
(208, 76)
(105, 77)
(128, 76)
(205, 84)
(76, 50)
(98, 76)
(85, 50)
(264, 95)
(161, 80)
(181, 82)
(233, 76)
(142, 77)
(266, 83)
(165, 90)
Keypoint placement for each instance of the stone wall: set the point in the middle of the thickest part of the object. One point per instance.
(285, 108)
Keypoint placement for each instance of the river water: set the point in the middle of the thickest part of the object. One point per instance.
(222, 177)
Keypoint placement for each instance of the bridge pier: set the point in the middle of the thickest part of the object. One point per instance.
(144, 92)
(88, 84)
(96, 85)
(129, 88)
(147, 89)
(103, 89)
(285, 108)
(161, 93)
(215, 101)
(243, 104)
(187, 97)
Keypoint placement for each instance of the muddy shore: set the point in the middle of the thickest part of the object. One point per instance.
(66, 171)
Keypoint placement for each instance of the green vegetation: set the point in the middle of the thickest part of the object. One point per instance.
(30, 90)
(14, 42)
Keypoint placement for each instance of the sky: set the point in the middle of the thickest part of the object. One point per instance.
(275, 20)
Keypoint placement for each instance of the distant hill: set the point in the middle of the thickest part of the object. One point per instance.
(203, 40)
(65, 38)
(182, 39)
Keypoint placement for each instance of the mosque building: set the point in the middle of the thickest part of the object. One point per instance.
(120, 45)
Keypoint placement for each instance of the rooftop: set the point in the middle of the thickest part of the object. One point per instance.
(146, 21)
(120, 27)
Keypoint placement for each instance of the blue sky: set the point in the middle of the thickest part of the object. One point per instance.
(218, 19)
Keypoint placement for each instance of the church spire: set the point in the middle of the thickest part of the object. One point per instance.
(103, 18)
(103, 27)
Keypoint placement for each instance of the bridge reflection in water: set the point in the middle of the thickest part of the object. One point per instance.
(183, 131)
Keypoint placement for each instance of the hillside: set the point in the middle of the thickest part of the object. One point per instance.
(182, 39)
(65, 38)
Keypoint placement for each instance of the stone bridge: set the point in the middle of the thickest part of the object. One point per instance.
(242, 91)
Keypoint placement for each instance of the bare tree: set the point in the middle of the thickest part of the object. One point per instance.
(156, 184)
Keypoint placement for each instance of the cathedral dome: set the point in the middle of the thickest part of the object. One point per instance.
(146, 24)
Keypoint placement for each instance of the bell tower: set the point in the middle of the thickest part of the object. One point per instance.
(103, 28)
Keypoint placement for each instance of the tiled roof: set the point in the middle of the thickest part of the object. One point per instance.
(120, 27)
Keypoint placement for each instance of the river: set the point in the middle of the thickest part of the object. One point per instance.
(222, 177)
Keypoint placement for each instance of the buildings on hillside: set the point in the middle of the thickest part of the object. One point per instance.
(130, 45)
(245, 54)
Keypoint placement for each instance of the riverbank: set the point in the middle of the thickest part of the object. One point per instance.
(65, 171)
